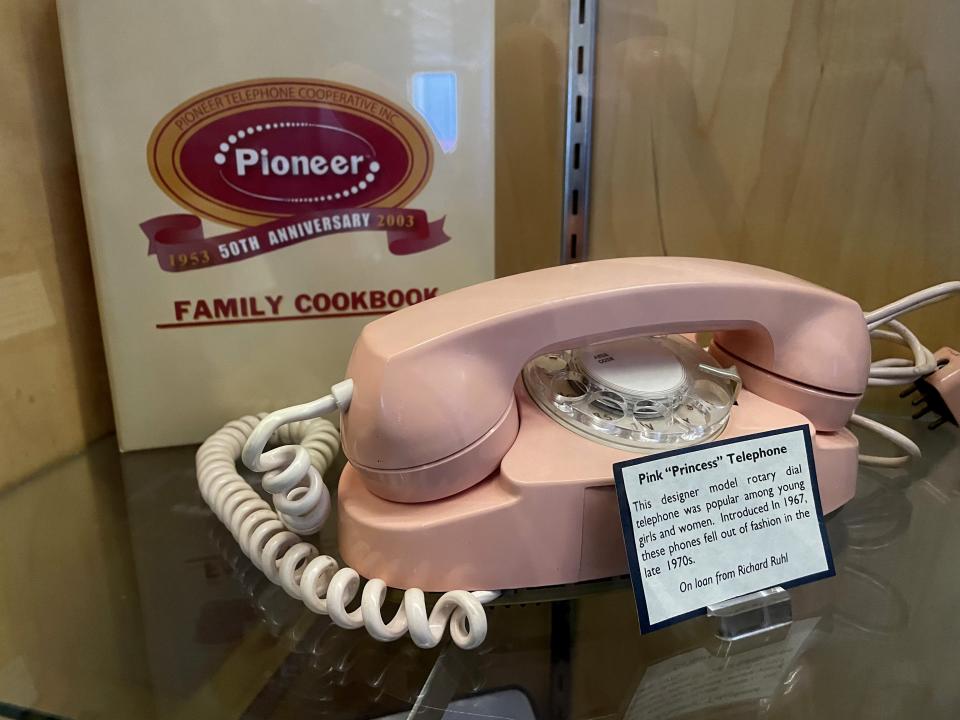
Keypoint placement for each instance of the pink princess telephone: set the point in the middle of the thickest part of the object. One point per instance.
(481, 428)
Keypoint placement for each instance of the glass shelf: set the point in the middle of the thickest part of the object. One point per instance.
(123, 597)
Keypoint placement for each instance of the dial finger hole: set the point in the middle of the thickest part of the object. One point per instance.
(568, 388)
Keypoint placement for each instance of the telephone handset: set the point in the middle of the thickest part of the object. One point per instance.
(480, 428)
(434, 407)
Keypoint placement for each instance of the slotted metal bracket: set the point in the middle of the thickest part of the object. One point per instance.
(581, 56)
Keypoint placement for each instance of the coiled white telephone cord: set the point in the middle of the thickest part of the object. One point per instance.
(271, 539)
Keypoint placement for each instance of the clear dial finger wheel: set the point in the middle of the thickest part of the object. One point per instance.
(642, 393)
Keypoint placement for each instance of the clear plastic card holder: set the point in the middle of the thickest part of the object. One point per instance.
(752, 615)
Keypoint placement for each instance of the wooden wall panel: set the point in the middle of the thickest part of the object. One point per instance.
(53, 385)
(531, 47)
(821, 138)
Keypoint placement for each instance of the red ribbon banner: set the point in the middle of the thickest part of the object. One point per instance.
(179, 243)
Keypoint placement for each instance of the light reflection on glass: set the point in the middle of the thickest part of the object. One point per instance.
(434, 95)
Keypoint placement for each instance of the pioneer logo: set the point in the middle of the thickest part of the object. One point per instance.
(265, 150)
(298, 164)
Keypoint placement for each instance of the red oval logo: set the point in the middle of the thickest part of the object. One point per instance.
(252, 152)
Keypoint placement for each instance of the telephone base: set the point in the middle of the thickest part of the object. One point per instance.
(548, 516)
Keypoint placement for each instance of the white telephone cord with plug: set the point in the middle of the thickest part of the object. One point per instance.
(892, 372)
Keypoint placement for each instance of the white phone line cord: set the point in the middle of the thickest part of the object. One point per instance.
(271, 538)
(890, 372)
